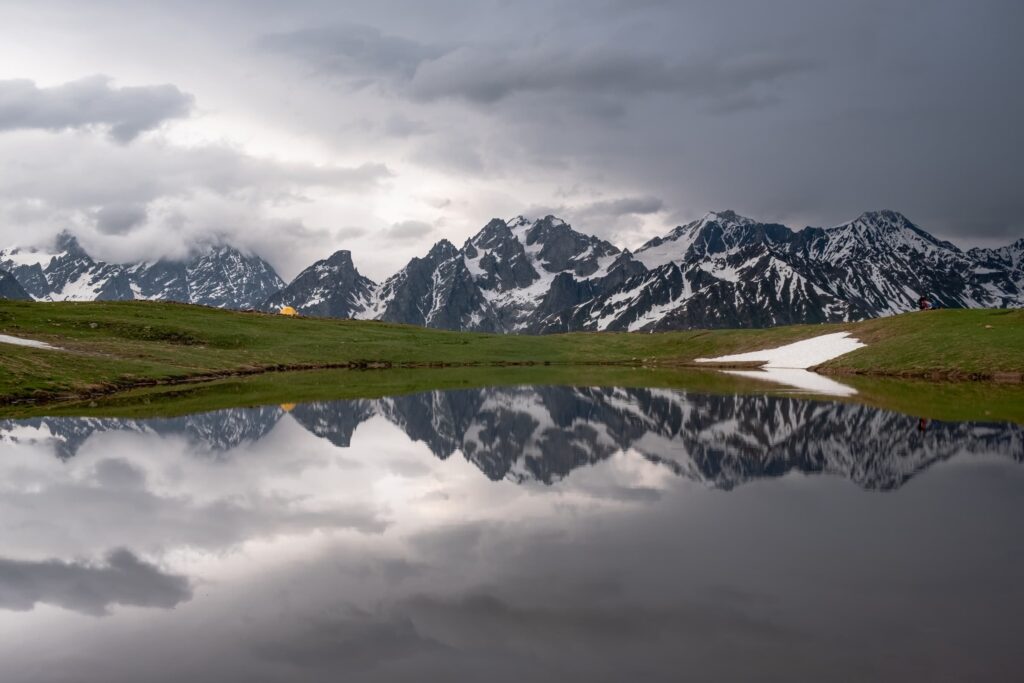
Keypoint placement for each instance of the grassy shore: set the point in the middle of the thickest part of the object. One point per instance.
(114, 347)
(956, 401)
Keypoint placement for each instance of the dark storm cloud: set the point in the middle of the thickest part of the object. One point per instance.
(125, 112)
(484, 75)
(118, 219)
(123, 579)
(351, 50)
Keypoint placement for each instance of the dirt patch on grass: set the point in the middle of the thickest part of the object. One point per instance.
(933, 375)
(150, 333)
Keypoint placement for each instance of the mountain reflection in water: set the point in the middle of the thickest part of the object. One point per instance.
(616, 533)
(544, 433)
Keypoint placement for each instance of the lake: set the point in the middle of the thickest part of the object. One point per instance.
(513, 533)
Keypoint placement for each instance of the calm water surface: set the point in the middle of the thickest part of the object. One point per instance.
(510, 534)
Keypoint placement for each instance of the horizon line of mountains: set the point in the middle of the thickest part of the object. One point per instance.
(543, 276)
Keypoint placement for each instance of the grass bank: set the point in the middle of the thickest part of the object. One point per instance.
(119, 346)
(959, 401)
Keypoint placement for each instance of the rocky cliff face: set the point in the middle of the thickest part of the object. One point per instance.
(226, 278)
(437, 290)
(10, 288)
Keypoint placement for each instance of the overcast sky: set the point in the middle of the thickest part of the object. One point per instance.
(297, 128)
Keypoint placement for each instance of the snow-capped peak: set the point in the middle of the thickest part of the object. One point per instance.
(28, 256)
(674, 247)
(517, 222)
(727, 218)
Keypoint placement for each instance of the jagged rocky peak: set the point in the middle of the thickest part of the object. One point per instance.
(888, 229)
(67, 242)
(226, 278)
(526, 269)
(1014, 253)
(442, 251)
(68, 253)
(727, 219)
(715, 232)
(436, 291)
(561, 248)
(497, 259)
(493, 234)
(1011, 256)
(883, 219)
(724, 231)
(339, 261)
(163, 280)
(329, 288)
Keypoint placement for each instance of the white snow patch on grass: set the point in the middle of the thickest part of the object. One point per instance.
(798, 355)
(18, 341)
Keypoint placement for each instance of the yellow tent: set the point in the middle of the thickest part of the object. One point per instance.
(288, 310)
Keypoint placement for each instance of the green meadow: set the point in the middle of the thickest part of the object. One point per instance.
(163, 357)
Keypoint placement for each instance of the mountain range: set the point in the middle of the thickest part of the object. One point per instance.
(542, 276)
(543, 433)
(220, 276)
